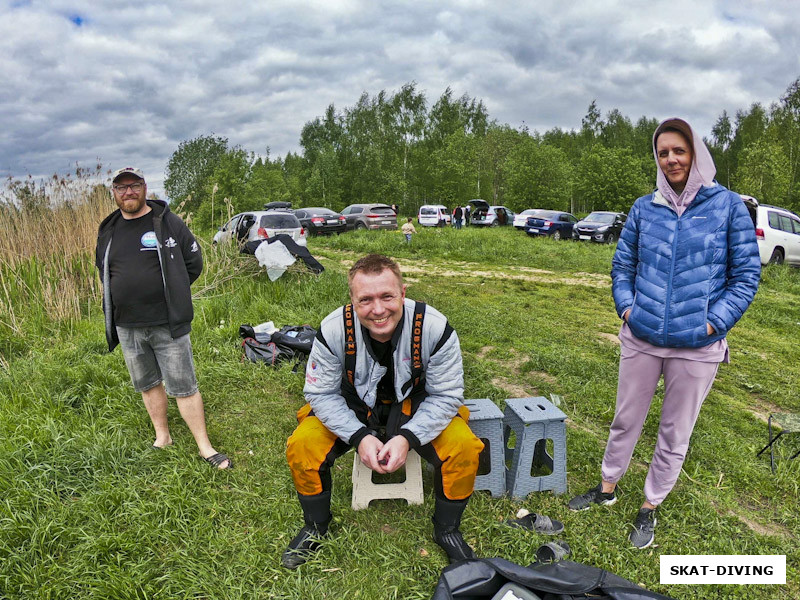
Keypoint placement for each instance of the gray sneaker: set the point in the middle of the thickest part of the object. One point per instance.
(593, 496)
(644, 527)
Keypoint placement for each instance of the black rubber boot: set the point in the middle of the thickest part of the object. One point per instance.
(446, 521)
(317, 515)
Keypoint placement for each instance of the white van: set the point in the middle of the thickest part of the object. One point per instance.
(433, 215)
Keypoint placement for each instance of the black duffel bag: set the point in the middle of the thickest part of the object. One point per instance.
(481, 579)
(290, 343)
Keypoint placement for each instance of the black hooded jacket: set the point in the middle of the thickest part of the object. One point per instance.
(181, 264)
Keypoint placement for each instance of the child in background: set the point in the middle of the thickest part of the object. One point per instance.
(408, 229)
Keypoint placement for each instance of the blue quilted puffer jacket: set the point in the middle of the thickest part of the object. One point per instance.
(678, 273)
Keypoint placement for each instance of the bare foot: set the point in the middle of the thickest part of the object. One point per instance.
(161, 443)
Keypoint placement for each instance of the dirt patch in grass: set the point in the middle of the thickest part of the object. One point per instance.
(473, 271)
(758, 415)
(546, 377)
(513, 389)
(762, 529)
(593, 431)
(509, 272)
(513, 363)
(761, 409)
(515, 360)
(609, 337)
(532, 270)
(769, 529)
(484, 351)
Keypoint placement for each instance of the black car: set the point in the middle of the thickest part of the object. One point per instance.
(319, 220)
(600, 226)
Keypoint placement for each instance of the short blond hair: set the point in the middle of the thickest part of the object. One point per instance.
(373, 264)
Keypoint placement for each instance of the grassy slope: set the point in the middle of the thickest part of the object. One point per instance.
(88, 510)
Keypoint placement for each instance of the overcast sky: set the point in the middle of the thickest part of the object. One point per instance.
(86, 81)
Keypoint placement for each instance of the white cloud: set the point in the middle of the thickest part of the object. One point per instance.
(131, 82)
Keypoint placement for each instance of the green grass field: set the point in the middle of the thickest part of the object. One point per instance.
(89, 510)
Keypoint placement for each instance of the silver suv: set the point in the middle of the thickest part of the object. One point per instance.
(487, 215)
(370, 216)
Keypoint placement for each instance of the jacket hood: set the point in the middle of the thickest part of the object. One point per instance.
(702, 170)
(160, 207)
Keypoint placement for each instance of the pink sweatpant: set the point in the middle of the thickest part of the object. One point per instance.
(686, 385)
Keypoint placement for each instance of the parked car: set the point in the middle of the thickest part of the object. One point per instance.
(520, 219)
(485, 215)
(277, 217)
(433, 215)
(554, 223)
(370, 216)
(319, 220)
(600, 226)
(777, 232)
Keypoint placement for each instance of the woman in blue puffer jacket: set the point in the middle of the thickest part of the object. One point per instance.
(685, 270)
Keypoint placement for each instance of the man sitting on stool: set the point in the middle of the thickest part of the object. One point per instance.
(384, 376)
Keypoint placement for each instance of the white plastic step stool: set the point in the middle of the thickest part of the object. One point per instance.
(365, 490)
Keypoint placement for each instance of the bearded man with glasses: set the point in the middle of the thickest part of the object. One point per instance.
(148, 259)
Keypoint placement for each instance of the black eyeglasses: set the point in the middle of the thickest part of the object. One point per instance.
(121, 187)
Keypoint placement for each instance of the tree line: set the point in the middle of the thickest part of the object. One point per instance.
(397, 148)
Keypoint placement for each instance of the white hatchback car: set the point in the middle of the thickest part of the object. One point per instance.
(520, 219)
(262, 224)
(433, 215)
(777, 232)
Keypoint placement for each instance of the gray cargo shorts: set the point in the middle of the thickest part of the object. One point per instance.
(153, 356)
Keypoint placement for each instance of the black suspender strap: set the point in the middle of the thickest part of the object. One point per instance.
(416, 343)
(417, 372)
(349, 344)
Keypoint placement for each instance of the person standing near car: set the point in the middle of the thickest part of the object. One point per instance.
(685, 270)
(148, 259)
(458, 215)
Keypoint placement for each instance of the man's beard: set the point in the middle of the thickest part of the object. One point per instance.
(126, 203)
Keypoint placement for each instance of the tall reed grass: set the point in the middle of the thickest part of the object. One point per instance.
(47, 236)
(48, 232)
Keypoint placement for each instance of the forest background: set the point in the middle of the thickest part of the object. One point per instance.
(398, 148)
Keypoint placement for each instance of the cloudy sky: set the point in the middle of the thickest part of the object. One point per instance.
(86, 81)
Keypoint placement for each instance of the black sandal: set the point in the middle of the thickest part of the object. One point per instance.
(538, 523)
(217, 459)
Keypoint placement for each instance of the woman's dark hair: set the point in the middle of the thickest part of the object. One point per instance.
(672, 129)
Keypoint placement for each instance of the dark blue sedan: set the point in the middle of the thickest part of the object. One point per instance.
(556, 224)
